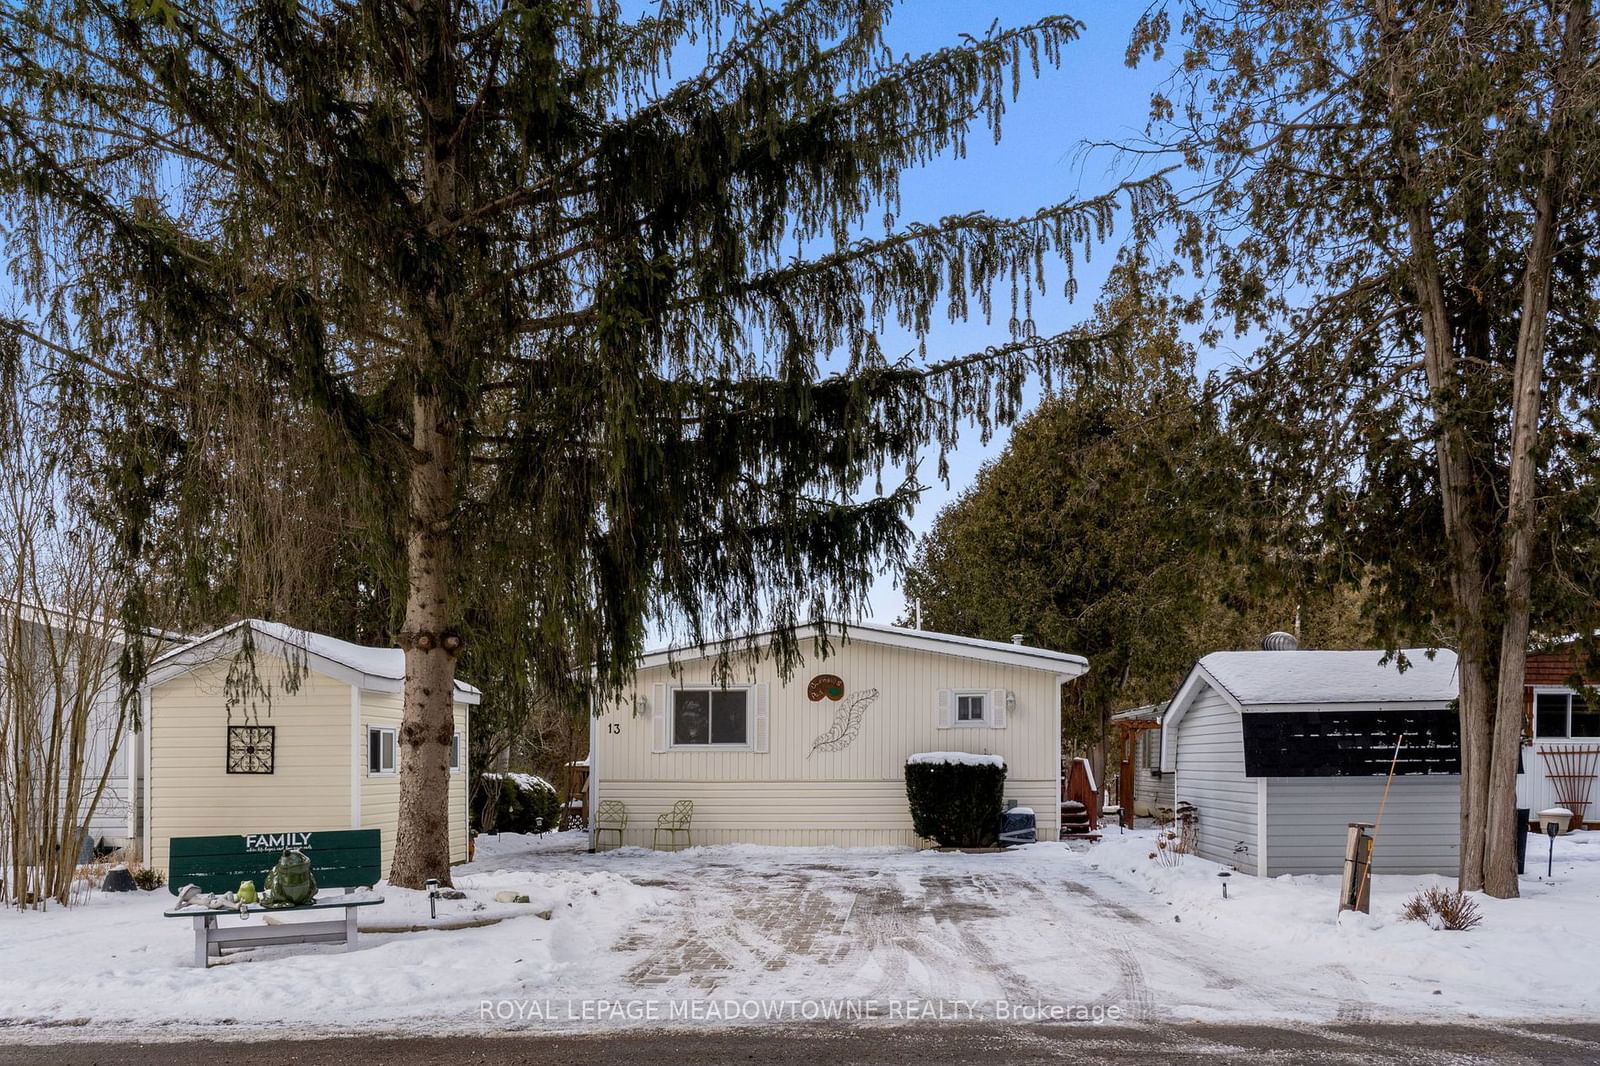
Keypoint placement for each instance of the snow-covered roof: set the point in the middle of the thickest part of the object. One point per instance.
(1150, 712)
(1249, 680)
(380, 669)
(1277, 677)
(998, 651)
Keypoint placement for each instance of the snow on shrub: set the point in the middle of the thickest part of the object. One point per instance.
(523, 803)
(956, 797)
(1442, 908)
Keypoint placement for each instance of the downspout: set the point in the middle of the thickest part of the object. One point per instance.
(1061, 693)
(148, 717)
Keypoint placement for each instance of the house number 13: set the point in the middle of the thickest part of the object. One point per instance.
(613, 727)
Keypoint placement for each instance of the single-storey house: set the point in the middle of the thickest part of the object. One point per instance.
(60, 667)
(1278, 751)
(819, 757)
(314, 747)
(1561, 734)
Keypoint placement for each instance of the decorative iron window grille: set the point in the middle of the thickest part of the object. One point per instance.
(250, 749)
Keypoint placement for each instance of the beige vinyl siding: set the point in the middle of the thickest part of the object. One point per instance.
(1307, 819)
(853, 797)
(191, 792)
(380, 793)
(1210, 775)
(316, 760)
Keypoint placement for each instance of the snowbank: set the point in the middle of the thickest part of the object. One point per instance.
(713, 924)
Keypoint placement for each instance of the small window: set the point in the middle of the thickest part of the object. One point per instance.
(380, 751)
(250, 749)
(1550, 714)
(455, 753)
(971, 708)
(1560, 715)
(704, 717)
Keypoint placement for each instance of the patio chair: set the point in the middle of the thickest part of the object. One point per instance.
(611, 817)
(674, 822)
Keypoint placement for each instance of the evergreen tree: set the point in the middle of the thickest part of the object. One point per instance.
(570, 337)
(1123, 522)
(1402, 198)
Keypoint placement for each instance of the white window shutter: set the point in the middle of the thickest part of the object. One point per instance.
(658, 714)
(997, 708)
(945, 709)
(763, 701)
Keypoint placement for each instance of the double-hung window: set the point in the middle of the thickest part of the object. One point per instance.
(381, 750)
(1563, 714)
(711, 718)
(455, 753)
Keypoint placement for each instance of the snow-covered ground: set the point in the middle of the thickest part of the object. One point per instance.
(749, 934)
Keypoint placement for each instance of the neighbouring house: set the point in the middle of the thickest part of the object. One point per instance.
(1142, 788)
(59, 668)
(819, 757)
(1561, 734)
(312, 744)
(1278, 751)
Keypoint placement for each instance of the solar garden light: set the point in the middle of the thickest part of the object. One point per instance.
(432, 885)
(1224, 875)
(1552, 819)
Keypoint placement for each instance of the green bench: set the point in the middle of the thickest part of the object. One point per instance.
(347, 859)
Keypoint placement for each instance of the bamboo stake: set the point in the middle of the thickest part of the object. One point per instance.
(1383, 803)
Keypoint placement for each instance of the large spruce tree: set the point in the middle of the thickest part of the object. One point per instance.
(569, 310)
(1402, 200)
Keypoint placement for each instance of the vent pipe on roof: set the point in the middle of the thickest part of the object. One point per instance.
(1279, 641)
(1018, 638)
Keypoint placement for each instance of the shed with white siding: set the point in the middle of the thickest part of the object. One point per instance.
(1278, 751)
(819, 757)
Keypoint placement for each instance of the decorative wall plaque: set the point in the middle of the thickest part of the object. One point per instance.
(825, 686)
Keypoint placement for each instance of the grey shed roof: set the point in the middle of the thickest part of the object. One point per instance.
(1276, 677)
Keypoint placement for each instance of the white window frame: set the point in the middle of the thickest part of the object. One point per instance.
(980, 694)
(749, 718)
(394, 750)
(456, 753)
(1555, 690)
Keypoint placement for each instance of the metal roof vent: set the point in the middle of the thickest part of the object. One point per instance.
(1018, 638)
(1279, 641)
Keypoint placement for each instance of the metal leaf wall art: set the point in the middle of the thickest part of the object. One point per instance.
(846, 724)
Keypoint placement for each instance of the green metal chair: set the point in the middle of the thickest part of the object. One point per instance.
(674, 822)
(611, 817)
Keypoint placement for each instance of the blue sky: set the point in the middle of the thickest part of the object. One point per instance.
(1093, 96)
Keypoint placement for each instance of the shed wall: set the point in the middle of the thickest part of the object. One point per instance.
(317, 762)
(1307, 819)
(1210, 775)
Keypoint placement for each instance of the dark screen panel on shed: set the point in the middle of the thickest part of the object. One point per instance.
(1350, 743)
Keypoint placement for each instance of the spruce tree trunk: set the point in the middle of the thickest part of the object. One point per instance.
(431, 643)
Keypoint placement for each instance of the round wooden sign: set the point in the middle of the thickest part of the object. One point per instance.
(825, 686)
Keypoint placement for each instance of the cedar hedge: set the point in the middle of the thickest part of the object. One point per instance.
(957, 805)
(521, 805)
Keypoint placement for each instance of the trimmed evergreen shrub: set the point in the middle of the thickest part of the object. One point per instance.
(523, 803)
(957, 804)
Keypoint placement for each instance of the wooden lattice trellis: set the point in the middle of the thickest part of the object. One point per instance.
(1571, 772)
